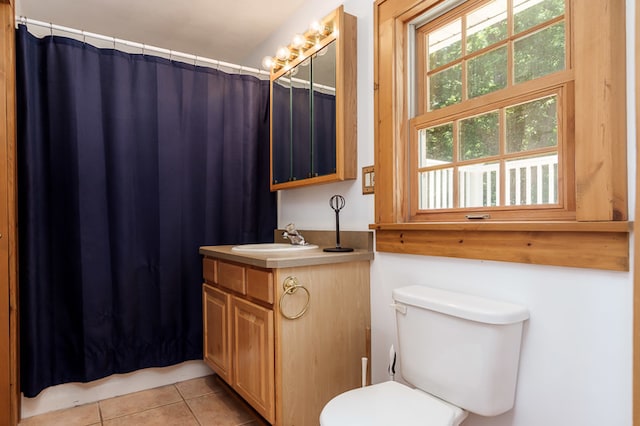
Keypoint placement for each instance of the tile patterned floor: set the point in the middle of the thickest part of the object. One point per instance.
(204, 401)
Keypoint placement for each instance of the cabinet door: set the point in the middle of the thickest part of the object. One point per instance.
(216, 331)
(253, 356)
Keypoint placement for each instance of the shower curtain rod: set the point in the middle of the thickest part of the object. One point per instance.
(143, 47)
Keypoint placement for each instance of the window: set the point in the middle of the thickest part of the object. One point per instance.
(504, 136)
(493, 99)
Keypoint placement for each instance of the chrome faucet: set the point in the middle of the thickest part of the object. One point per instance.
(292, 234)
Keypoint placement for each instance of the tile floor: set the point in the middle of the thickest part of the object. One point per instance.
(204, 401)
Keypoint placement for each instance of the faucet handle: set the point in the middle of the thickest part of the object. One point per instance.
(291, 229)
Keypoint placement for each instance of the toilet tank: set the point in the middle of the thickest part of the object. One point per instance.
(461, 348)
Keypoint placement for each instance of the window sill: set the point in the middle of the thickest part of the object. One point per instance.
(596, 245)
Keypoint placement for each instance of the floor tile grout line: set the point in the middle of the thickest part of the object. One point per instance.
(175, 385)
(187, 404)
(100, 413)
(192, 413)
(145, 410)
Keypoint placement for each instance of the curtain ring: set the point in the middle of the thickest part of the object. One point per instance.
(195, 60)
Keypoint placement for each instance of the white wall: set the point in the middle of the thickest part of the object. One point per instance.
(576, 356)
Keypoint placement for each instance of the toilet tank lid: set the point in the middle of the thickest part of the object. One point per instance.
(461, 305)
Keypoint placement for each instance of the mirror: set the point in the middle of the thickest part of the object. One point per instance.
(291, 125)
(280, 130)
(313, 108)
(301, 122)
(323, 138)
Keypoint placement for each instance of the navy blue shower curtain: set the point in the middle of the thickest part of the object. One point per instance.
(127, 164)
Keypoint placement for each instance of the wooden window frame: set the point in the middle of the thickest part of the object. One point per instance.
(597, 236)
(559, 83)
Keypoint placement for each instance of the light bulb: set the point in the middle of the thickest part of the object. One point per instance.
(315, 27)
(282, 53)
(267, 62)
(298, 41)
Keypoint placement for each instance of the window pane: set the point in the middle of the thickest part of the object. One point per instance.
(528, 13)
(532, 180)
(444, 44)
(487, 25)
(445, 87)
(487, 73)
(435, 189)
(479, 136)
(479, 185)
(539, 54)
(436, 145)
(532, 125)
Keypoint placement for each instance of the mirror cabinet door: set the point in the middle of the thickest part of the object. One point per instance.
(281, 129)
(301, 121)
(323, 138)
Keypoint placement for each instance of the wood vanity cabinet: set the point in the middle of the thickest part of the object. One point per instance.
(238, 332)
(286, 369)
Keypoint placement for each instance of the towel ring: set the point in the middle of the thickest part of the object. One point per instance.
(290, 286)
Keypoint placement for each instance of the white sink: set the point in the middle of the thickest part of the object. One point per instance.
(272, 247)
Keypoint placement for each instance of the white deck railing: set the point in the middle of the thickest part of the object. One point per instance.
(527, 181)
(534, 181)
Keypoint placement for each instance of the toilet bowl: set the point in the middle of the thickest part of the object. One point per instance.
(459, 353)
(389, 404)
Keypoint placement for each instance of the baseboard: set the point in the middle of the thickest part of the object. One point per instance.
(73, 394)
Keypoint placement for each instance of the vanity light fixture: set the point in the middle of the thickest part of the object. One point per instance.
(312, 39)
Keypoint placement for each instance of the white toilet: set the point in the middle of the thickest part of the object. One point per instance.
(461, 352)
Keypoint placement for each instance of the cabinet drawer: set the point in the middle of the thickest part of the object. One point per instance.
(209, 269)
(260, 284)
(231, 276)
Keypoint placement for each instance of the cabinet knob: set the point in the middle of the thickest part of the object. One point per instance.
(290, 286)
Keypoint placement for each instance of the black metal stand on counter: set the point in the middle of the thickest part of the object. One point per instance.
(337, 203)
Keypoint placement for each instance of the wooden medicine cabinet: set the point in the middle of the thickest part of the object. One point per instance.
(313, 106)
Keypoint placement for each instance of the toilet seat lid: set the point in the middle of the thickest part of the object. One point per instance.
(389, 403)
